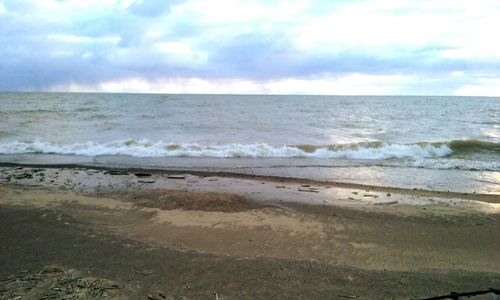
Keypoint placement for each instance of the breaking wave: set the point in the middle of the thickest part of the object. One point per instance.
(457, 154)
(144, 148)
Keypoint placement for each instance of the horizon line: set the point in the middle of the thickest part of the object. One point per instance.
(245, 94)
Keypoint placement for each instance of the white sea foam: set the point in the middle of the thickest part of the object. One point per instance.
(453, 163)
(146, 148)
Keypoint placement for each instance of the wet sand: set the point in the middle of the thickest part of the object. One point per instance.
(170, 235)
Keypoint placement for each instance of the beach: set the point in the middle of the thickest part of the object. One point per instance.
(159, 234)
(179, 196)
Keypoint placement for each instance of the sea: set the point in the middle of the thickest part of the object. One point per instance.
(425, 142)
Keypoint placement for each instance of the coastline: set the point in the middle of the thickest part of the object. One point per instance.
(245, 236)
(483, 197)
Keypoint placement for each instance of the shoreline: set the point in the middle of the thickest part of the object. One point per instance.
(490, 198)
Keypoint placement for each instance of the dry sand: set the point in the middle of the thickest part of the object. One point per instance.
(167, 235)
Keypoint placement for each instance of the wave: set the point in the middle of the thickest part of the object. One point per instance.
(5, 133)
(144, 148)
(471, 146)
(457, 154)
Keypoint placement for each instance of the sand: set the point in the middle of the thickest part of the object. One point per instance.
(169, 235)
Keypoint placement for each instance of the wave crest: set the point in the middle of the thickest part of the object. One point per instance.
(468, 146)
(144, 148)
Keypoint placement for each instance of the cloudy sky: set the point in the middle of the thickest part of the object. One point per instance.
(374, 47)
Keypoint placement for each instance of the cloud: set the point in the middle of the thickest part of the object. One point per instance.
(353, 84)
(149, 8)
(303, 46)
(484, 86)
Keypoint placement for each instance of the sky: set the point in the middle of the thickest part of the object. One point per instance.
(357, 47)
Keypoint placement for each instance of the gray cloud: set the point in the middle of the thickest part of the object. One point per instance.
(41, 50)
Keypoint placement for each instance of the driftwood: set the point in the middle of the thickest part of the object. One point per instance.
(456, 296)
(142, 174)
(308, 189)
(176, 177)
(145, 272)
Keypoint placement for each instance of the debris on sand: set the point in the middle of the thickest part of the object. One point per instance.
(53, 282)
(116, 172)
(176, 177)
(308, 189)
(142, 174)
(23, 176)
(146, 181)
(386, 203)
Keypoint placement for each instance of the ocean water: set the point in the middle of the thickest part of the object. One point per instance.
(442, 143)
